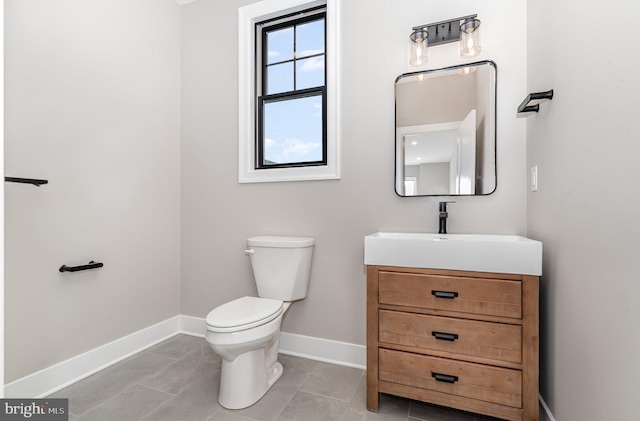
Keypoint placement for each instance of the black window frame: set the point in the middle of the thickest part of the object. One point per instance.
(262, 98)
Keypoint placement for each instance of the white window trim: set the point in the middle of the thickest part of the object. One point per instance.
(247, 18)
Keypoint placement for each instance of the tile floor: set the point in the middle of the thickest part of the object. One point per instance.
(177, 380)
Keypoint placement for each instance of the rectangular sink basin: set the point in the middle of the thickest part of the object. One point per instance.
(471, 252)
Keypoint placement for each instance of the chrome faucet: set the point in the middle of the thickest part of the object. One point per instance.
(443, 217)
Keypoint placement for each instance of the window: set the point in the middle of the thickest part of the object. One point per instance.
(291, 106)
(288, 91)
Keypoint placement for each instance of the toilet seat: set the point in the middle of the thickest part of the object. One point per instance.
(243, 313)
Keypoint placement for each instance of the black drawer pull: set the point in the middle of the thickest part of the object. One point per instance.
(445, 336)
(444, 377)
(445, 294)
(91, 265)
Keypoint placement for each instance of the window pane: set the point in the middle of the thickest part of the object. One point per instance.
(310, 72)
(293, 130)
(279, 78)
(280, 45)
(310, 38)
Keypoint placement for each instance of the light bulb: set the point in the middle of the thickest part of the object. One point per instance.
(419, 46)
(470, 38)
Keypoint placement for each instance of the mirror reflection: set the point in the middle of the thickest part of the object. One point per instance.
(446, 131)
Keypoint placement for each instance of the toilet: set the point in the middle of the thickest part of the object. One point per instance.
(246, 332)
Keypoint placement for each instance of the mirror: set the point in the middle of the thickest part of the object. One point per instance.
(446, 131)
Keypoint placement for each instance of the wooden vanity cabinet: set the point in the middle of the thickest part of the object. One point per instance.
(466, 340)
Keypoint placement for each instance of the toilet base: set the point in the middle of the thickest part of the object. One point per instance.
(244, 380)
(247, 375)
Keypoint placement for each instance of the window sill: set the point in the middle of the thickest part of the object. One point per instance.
(288, 174)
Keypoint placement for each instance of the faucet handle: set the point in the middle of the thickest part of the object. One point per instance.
(443, 215)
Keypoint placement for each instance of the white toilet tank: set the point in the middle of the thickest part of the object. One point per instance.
(281, 266)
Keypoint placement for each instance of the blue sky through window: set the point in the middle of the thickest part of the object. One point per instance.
(310, 38)
(293, 127)
(280, 45)
(293, 130)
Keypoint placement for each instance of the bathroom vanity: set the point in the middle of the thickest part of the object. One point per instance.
(466, 339)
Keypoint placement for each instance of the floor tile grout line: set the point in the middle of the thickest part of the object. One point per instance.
(285, 406)
(331, 397)
(120, 390)
(182, 389)
(173, 395)
(118, 393)
(325, 396)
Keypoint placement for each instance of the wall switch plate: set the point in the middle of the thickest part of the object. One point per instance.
(534, 178)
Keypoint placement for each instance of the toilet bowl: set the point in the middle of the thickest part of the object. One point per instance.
(245, 332)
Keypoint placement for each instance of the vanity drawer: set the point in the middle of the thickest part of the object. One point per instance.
(496, 341)
(475, 381)
(491, 297)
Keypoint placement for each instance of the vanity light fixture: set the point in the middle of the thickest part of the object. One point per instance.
(465, 29)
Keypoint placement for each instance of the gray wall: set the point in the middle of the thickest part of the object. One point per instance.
(218, 214)
(92, 103)
(586, 147)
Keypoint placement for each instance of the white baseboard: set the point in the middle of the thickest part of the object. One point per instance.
(194, 326)
(326, 350)
(318, 349)
(546, 409)
(58, 376)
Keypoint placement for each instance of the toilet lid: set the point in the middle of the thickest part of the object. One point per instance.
(243, 313)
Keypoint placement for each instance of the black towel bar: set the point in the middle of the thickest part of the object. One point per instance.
(36, 182)
(531, 103)
(91, 265)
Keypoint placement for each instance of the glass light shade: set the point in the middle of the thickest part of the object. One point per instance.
(470, 38)
(419, 45)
